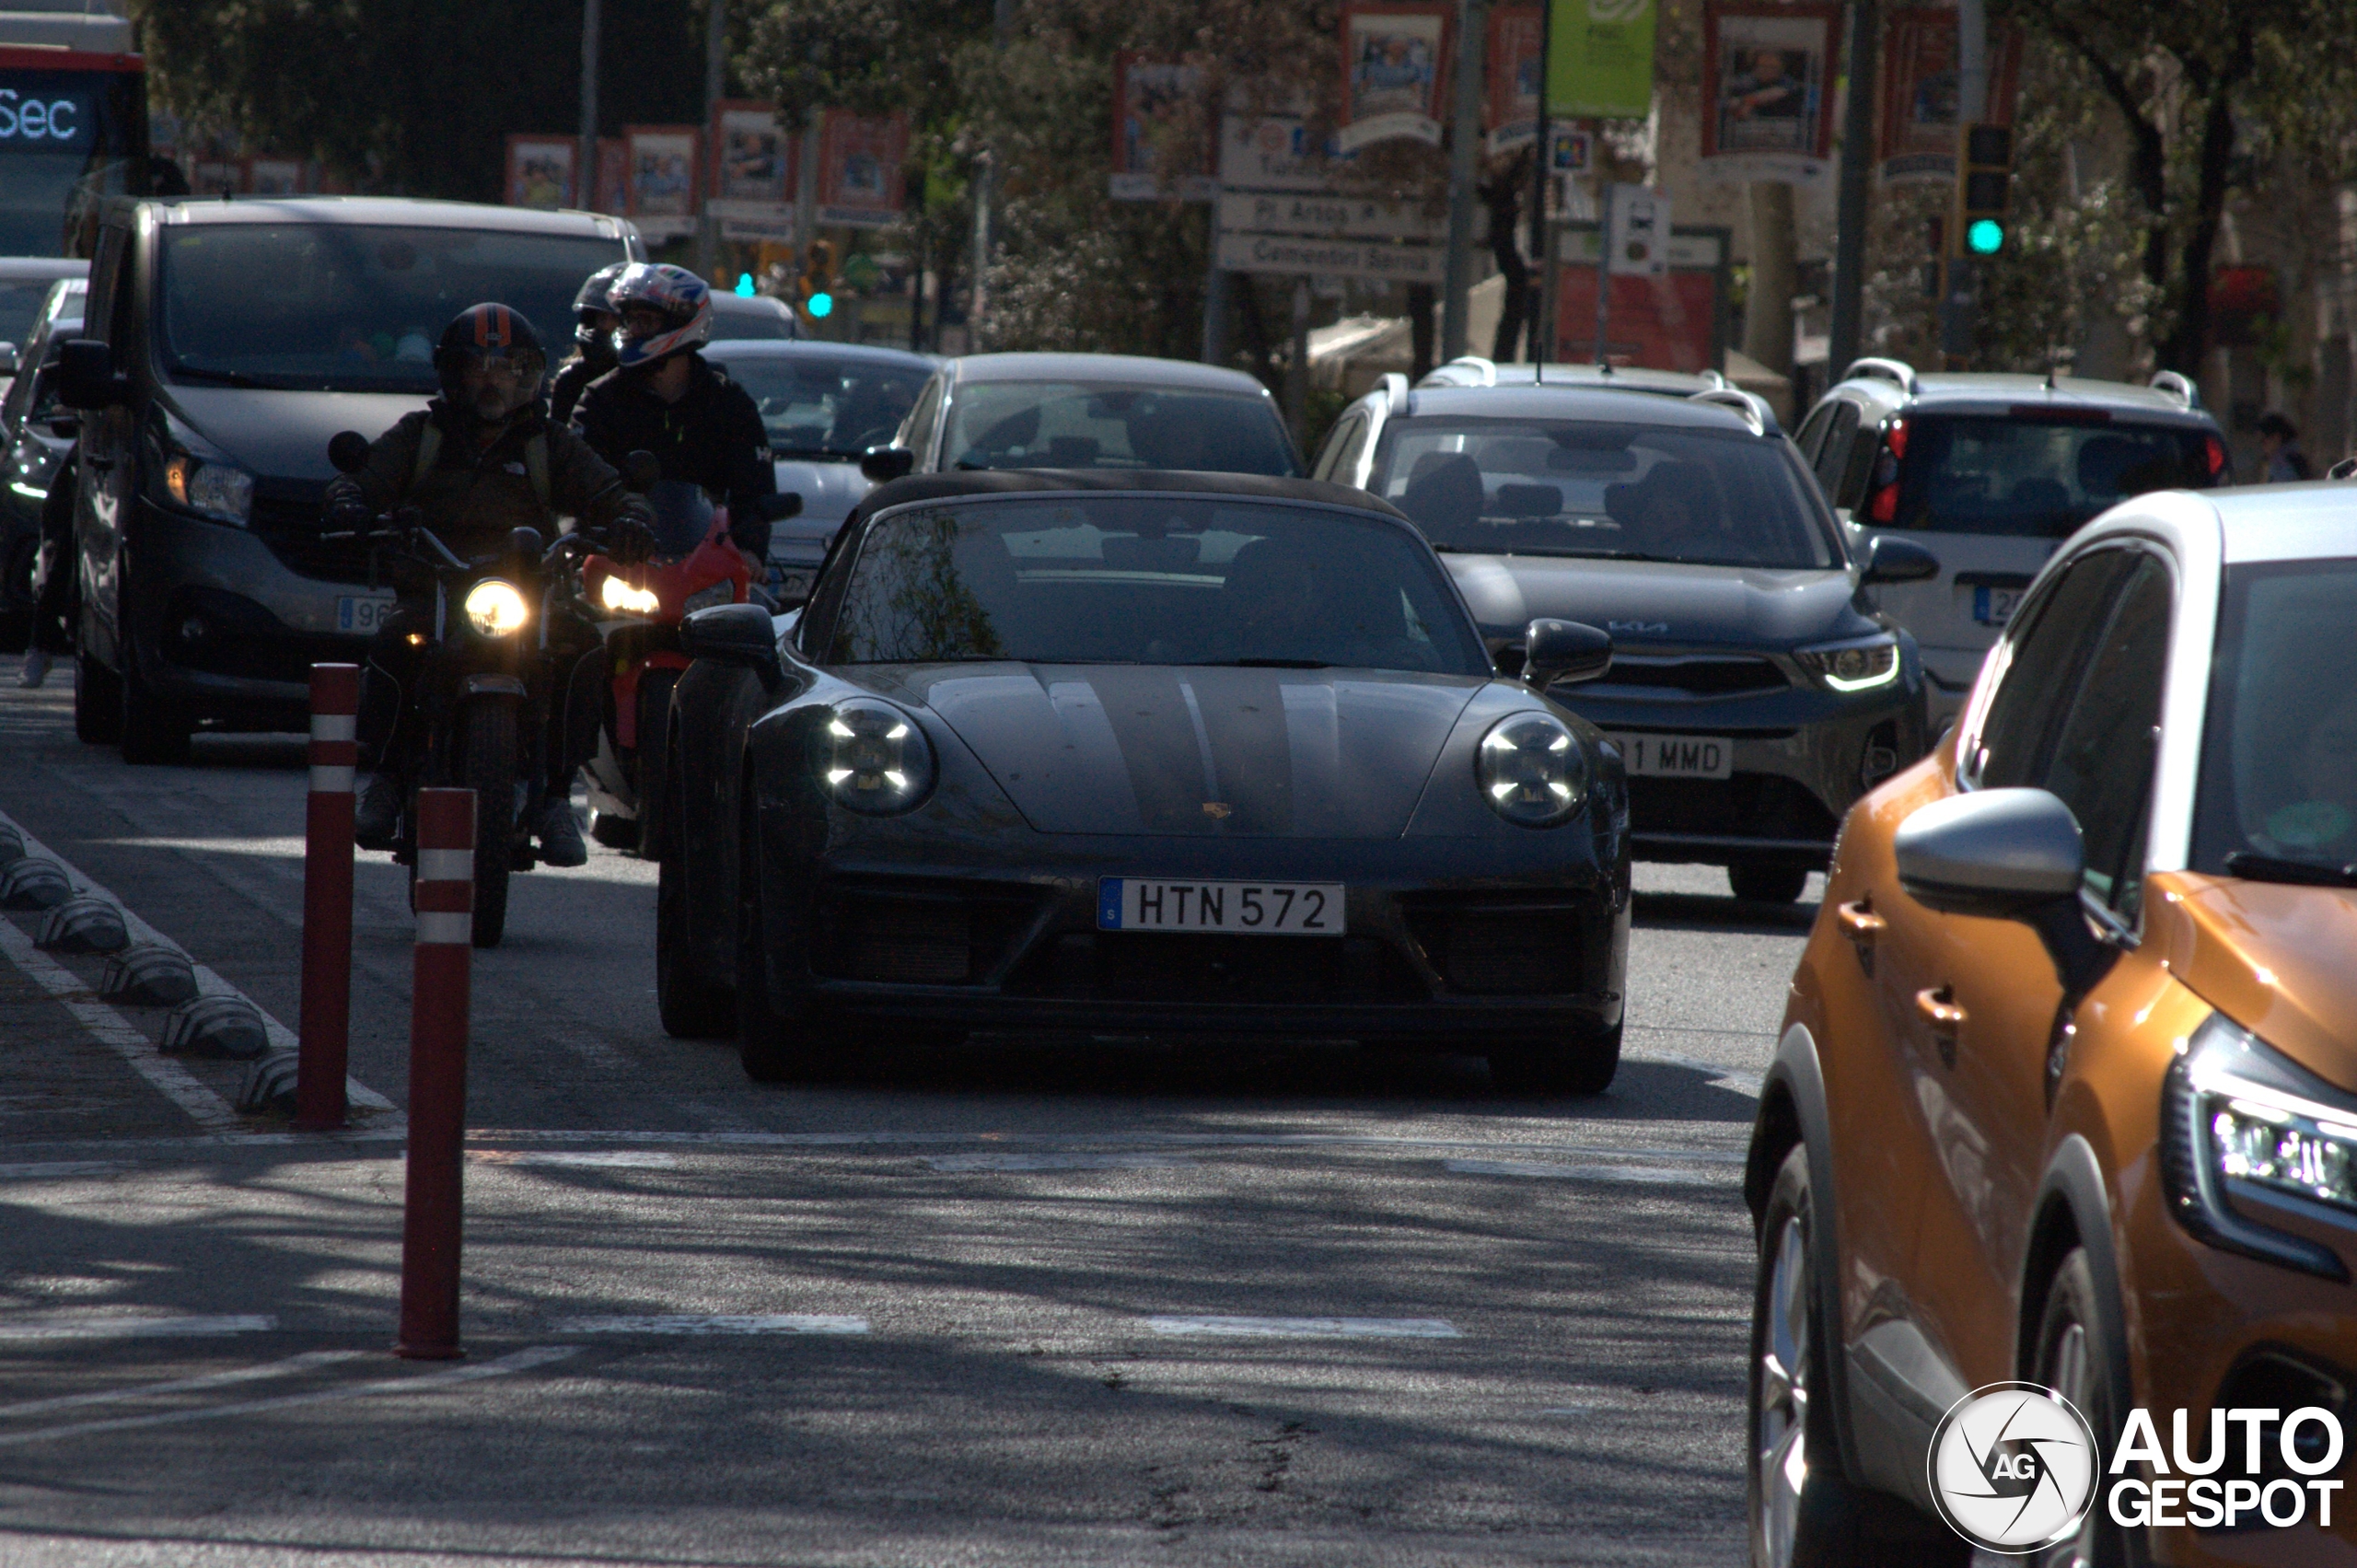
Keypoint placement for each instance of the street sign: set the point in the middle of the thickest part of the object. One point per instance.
(1303, 215)
(1292, 256)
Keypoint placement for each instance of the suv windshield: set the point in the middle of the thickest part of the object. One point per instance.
(1559, 487)
(826, 405)
(350, 308)
(1064, 424)
(2041, 477)
(2278, 752)
(1139, 579)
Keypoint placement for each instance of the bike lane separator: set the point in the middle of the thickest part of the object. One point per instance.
(703, 1323)
(1215, 1327)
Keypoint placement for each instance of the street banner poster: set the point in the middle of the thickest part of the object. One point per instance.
(1637, 240)
(613, 176)
(217, 177)
(1600, 59)
(752, 160)
(1660, 323)
(1391, 72)
(1768, 79)
(662, 164)
(1158, 113)
(1919, 93)
(274, 176)
(1516, 55)
(860, 157)
(540, 171)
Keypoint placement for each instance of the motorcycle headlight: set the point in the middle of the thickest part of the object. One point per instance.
(2247, 1132)
(1852, 667)
(1532, 770)
(216, 490)
(497, 608)
(619, 596)
(871, 758)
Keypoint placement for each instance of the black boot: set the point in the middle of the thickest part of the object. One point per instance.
(376, 818)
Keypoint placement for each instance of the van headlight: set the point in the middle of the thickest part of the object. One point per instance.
(1858, 666)
(620, 597)
(871, 758)
(214, 490)
(2248, 1134)
(1532, 770)
(495, 608)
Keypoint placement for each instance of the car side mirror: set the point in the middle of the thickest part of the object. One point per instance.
(1564, 650)
(741, 635)
(348, 450)
(2006, 855)
(777, 508)
(885, 464)
(640, 472)
(85, 376)
(1890, 560)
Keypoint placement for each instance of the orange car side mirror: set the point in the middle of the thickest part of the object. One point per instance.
(2006, 855)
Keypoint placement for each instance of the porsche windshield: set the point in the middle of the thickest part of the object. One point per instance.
(1554, 487)
(1135, 579)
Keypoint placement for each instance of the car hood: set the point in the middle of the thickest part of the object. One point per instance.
(1145, 748)
(277, 435)
(828, 491)
(2273, 958)
(1645, 601)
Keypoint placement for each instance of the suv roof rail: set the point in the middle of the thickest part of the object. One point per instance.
(2179, 387)
(1897, 370)
(1713, 380)
(1486, 369)
(1751, 406)
(1395, 392)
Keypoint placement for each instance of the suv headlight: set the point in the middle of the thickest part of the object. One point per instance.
(495, 608)
(1858, 666)
(1533, 771)
(214, 490)
(871, 758)
(2245, 1131)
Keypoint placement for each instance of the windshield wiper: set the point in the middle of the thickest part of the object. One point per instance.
(2279, 868)
(1261, 664)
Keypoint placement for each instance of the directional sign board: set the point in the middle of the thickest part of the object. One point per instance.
(1321, 216)
(1279, 213)
(1294, 256)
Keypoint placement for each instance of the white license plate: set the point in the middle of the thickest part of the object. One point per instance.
(1676, 756)
(1252, 908)
(1995, 607)
(363, 614)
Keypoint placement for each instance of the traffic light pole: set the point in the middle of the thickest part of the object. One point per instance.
(1847, 333)
(1960, 293)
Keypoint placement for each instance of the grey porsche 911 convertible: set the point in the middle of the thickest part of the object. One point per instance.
(1140, 754)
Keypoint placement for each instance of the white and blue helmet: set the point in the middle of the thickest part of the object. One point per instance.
(681, 301)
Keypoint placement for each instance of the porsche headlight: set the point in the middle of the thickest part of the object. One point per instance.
(1852, 667)
(2246, 1131)
(1532, 770)
(619, 596)
(871, 758)
(495, 608)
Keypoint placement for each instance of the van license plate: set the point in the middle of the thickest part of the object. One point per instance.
(1995, 607)
(1251, 909)
(1675, 756)
(363, 615)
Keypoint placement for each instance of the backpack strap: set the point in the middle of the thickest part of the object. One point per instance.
(429, 447)
(536, 464)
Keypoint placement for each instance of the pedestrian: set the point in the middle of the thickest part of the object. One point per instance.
(2279, 444)
(57, 601)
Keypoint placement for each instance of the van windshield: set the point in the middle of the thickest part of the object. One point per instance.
(2035, 478)
(352, 307)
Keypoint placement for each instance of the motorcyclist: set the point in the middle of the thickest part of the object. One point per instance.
(478, 462)
(664, 398)
(593, 337)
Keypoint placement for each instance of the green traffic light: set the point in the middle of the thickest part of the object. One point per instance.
(1985, 236)
(820, 304)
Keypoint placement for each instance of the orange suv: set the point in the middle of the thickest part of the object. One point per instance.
(2067, 1087)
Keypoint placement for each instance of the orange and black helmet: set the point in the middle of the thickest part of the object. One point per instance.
(488, 331)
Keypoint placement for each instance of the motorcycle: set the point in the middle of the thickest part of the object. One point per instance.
(475, 716)
(643, 607)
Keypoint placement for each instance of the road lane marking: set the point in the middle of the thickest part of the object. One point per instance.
(208, 981)
(1305, 1328)
(287, 1369)
(520, 1361)
(97, 1326)
(1654, 1176)
(954, 1164)
(713, 1323)
(58, 1170)
(114, 1031)
(625, 1160)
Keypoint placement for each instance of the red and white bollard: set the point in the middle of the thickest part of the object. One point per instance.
(325, 1035)
(437, 1073)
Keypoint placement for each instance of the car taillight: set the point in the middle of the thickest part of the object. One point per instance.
(1882, 506)
(1894, 436)
(2213, 452)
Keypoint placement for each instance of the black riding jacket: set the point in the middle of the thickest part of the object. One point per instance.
(712, 436)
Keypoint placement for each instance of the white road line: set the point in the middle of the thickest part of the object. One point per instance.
(968, 1163)
(287, 1369)
(619, 1159)
(96, 1326)
(1655, 1176)
(1305, 1328)
(713, 1323)
(208, 981)
(168, 1078)
(58, 1170)
(521, 1361)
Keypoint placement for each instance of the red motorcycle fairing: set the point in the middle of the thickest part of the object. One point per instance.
(673, 583)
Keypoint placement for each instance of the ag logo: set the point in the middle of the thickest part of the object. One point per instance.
(2013, 1467)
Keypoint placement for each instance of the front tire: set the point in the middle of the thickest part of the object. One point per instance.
(153, 730)
(1768, 884)
(1582, 1065)
(487, 766)
(98, 702)
(693, 1005)
(2078, 1358)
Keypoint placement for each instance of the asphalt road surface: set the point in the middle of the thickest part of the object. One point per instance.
(1028, 1302)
